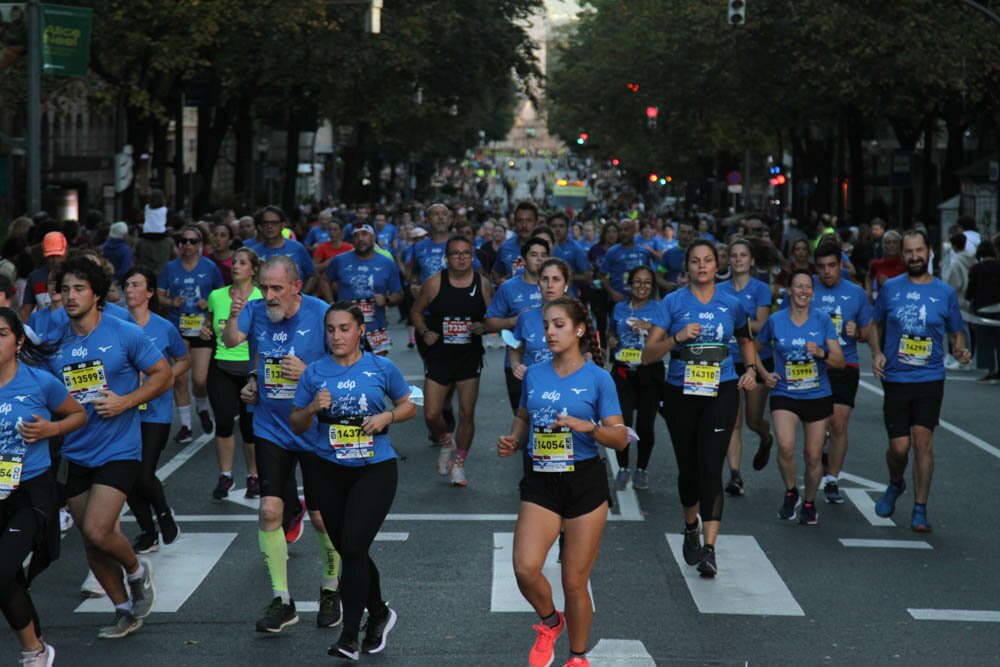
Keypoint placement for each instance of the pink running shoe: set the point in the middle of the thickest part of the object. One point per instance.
(543, 652)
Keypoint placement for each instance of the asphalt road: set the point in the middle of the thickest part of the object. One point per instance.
(786, 594)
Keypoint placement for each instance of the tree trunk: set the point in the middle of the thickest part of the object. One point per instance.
(213, 124)
(243, 183)
(290, 181)
(856, 166)
(159, 156)
(954, 156)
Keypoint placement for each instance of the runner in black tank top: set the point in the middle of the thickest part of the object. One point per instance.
(448, 314)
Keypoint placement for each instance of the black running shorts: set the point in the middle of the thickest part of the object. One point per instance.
(910, 404)
(119, 475)
(568, 494)
(806, 409)
(844, 384)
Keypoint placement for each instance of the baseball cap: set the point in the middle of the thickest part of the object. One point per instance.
(363, 228)
(418, 232)
(54, 244)
(118, 230)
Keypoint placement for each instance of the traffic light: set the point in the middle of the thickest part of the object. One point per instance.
(651, 114)
(633, 87)
(653, 178)
(582, 139)
(737, 12)
(615, 162)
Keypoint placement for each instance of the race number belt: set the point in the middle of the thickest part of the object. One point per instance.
(276, 385)
(379, 340)
(10, 473)
(552, 449)
(456, 330)
(349, 440)
(802, 375)
(629, 355)
(367, 307)
(915, 350)
(191, 324)
(86, 381)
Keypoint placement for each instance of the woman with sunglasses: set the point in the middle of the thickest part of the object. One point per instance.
(184, 285)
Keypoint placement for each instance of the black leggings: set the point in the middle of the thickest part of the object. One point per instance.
(354, 502)
(597, 299)
(21, 524)
(639, 392)
(700, 428)
(513, 389)
(224, 397)
(148, 491)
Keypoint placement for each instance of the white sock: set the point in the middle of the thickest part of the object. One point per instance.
(125, 606)
(201, 402)
(829, 478)
(138, 574)
(286, 598)
(185, 412)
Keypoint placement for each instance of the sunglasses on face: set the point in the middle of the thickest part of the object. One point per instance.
(189, 241)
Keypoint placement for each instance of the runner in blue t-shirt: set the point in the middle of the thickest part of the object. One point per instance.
(620, 260)
(553, 282)
(269, 221)
(342, 407)
(914, 311)
(284, 330)
(34, 406)
(670, 271)
(100, 359)
(756, 299)
(184, 285)
(371, 281)
(156, 417)
(805, 344)
(570, 252)
(525, 220)
(567, 409)
(694, 324)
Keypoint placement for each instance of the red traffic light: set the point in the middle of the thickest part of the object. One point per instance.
(584, 136)
(634, 87)
(615, 162)
(651, 112)
(653, 178)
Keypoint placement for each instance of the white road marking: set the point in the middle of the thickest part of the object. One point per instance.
(628, 503)
(965, 615)
(862, 481)
(747, 582)
(866, 506)
(885, 544)
(183, 456)
(505, 596)
(620, 653)
(413, 378)
(178, 570)
(947, 425)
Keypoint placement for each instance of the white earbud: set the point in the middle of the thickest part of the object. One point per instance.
(579, 334)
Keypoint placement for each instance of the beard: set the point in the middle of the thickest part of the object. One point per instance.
(275, 313)
(916, 269)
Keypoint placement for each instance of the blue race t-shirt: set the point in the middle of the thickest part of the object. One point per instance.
(754, 295)
(531, 331)
(303, 336)
(719, 319)
(194, 286)
(513, 297)
(168, 342)
(369, 386)
(32, 391)
(387, 236)
(293, 249)
(631, 343)
(507, 254)
(316, 235)
(359, 280)
(427, 259)
(619, 260)
(800, 375)
(109, 357)
(916, 317)
(844, 302)
(59, 320)
(672, 263)
(40, 320)
(587, 394)
(654, 243)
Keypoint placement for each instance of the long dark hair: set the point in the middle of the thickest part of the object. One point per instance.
(359, 318)
(154, 301)
(578, 314)
(30, 352)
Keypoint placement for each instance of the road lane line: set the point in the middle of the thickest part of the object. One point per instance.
(506, 597)
(947, 425)
(885, 544)
(183, 456)
(628, 502)
(866, 506)
(862, 481)
(965, 615)
(620, 653)
(747, 582)
(178, 570)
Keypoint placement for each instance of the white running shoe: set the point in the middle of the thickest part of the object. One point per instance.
(457, 473)
(65, 520)
(91, 587)
(445, 456)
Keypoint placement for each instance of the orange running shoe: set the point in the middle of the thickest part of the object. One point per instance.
(577, 661)
(543, 652)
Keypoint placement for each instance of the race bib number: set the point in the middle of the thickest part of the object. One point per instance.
(86, 381)
(915, 350)
(629, 355)
(379, 340)
(552, 449)
(349, 441)
(802, 375)
(276, 385)
(456, 330)
(10, 473)
(702, 379)
(367, 307)
(191, 324)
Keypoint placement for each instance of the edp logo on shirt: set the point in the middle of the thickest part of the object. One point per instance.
(79, 352)
(347, 384)
(550, 396)
(5, 408)
(280, 337)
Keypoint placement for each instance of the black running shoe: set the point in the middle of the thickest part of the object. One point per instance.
(809, 515)
(763, 454)
(221, 490)
(146, 543)
(692, 544)
(253, 487)
(184, 436)
(831, 493)
(789, 506)
(331, 611)
(346, 648)
(278, 616)
(377, 631)
(206, 421)
(735, 486)
(707, 566)
(168, 527)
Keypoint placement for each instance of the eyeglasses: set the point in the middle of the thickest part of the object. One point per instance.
(270, 221)
(463, 253)
(189, 241)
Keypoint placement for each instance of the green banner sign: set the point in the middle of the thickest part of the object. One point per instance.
(65, 39)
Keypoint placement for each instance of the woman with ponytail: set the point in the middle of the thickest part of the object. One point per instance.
(34, 406)
(568, 408)
(553, 282)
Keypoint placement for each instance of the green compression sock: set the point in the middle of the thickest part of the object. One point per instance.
(275, 550)
(331, 561)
